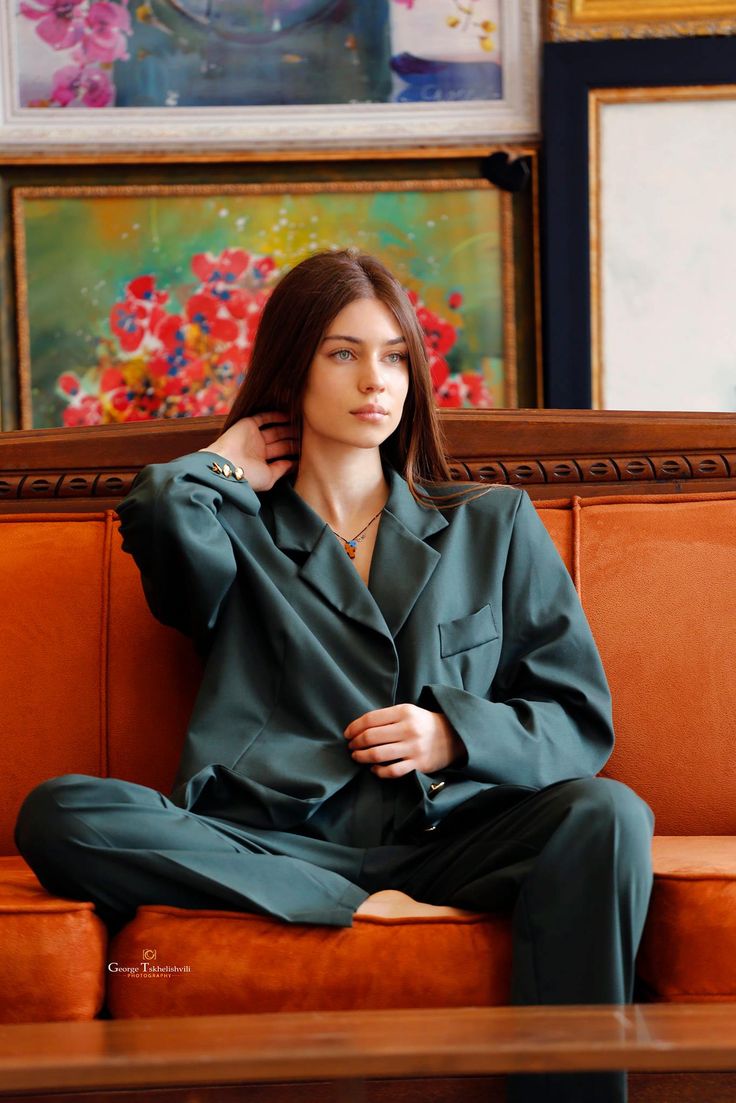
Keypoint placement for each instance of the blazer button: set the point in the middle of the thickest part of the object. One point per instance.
(435, 787)
(216, 468)
(226, 470)
(239, 473)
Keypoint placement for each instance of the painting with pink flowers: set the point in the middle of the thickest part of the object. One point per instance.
(162, 288)
(171, 53)
(189, 64)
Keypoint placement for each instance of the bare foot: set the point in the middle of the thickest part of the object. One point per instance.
(391, 904)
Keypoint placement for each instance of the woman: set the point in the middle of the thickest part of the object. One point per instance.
(402, 699)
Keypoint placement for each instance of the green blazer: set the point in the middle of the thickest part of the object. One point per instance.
(470, 612)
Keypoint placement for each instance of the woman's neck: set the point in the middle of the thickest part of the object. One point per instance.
(345, 490)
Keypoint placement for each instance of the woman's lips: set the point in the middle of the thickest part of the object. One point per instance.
(369, 415)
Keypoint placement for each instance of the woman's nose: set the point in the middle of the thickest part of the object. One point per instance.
(372, 377)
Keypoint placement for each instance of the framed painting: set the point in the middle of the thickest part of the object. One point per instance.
(211, 75)
(581, 20)
(639, 224)
(141, 300)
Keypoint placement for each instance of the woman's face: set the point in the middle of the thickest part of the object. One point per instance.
(362, 361)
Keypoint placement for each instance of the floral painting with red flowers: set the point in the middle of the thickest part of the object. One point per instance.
(146, 305)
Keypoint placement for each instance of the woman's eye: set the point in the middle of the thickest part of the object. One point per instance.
(399, 356)
(338, 354)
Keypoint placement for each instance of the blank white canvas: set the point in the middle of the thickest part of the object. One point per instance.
(668, 255)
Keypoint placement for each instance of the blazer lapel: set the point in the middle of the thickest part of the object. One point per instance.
(401, 566)
(403, 562)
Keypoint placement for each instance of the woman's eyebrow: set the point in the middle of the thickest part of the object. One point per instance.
(357, 340)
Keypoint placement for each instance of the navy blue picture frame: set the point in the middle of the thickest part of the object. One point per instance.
(570, 71)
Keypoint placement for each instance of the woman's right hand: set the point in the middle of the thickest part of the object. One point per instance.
(246, 444)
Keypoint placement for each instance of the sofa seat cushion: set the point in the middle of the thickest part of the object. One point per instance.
(52, 951)
(235, 962)
(177, 961)
(688, 949)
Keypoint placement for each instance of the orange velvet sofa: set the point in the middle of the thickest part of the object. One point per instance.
(91, 683)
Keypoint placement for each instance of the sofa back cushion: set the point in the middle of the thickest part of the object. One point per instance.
(92, 683)
(657, 579)
(52, 686)
(89, 681)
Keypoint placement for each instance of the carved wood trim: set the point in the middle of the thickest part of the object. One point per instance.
(600, 469)
(54, 485)
(552, 453)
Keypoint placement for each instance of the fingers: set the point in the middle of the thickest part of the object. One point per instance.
(276, 436)
(375, 718)
(280, 453)
(395, 740)
(376, 735)
(279, 432)
(393, 756)
(277, 469)
(385, 750)
(395, 769)
(271, 417)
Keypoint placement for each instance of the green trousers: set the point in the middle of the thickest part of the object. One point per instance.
(571, 862)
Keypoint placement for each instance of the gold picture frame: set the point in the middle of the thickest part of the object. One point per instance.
(589, 20)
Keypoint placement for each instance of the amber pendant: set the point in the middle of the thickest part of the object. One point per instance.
(350, 546)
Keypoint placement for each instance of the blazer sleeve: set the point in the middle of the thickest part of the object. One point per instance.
(171, 523)
(549, 714)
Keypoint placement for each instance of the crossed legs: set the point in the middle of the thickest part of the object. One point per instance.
(572, 862)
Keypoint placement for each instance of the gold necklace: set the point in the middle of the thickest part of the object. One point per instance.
(351, 545)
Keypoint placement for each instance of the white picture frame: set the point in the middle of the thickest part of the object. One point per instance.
(663, 234)
(44, 131)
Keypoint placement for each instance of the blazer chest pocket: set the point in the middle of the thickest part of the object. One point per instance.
(466, 632)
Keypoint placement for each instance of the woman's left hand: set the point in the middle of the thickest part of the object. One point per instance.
(396, 740)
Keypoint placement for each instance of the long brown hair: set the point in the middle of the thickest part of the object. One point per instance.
(294, 320)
